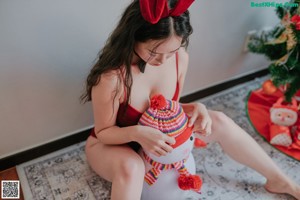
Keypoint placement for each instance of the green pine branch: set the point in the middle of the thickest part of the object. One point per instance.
(292, 89)
(296, 33)
(260, 43)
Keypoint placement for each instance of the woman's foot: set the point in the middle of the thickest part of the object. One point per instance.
(283, 187)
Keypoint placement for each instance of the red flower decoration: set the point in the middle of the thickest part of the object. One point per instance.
(296, 20)
(158, 102)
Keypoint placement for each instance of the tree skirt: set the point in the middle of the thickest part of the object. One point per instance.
(258, 107)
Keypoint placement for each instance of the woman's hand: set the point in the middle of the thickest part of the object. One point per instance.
(154, 141)
(199, 117)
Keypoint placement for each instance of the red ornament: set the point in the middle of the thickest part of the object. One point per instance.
(296, 20)
(158, 102)
(268, 87)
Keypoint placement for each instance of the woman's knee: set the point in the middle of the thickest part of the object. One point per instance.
(130, 168)
(111, 162)
(220, 121)
(219, 117)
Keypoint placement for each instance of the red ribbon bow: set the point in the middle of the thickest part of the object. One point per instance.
(154, 10)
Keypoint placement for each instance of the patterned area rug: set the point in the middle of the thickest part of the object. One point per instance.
(65, 174)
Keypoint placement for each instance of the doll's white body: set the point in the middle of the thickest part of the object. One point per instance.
(166, 185)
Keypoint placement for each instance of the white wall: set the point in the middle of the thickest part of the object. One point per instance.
(216, 49)
(47, 48)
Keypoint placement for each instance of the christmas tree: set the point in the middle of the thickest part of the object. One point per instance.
(281, 45)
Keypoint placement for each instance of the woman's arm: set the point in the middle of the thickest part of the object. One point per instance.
(106, 97)
(197, 112)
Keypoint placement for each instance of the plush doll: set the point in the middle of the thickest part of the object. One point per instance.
(282, 117)
(172, 176)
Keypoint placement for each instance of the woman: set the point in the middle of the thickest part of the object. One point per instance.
(145, 55)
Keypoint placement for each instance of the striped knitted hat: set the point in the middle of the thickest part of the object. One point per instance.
(166, 116)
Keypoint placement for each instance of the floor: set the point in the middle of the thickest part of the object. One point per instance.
(11, 174)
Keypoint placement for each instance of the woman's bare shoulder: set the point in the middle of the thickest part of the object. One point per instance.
(108, 86)
(183, 60)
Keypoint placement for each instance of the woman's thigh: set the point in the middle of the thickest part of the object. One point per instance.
(221, 125)
(109, 161)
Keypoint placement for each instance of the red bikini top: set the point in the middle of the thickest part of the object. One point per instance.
(131, 116)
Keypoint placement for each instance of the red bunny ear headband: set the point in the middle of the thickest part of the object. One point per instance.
(154, 10)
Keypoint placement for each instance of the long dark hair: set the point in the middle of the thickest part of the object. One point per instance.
(119, 48)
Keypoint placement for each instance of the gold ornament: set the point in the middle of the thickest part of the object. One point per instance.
(282, 60)
(291, 40)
